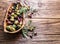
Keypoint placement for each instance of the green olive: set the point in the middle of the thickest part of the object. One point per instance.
(11, 19)
(31, 28)
(12, 29)
(16, 22)
(20, 22)
(15, 16)
(18, 13)
(12, 14)
(8, 27)
(19, 25)
(14, 26)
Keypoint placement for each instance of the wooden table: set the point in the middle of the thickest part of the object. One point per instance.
(46, 20)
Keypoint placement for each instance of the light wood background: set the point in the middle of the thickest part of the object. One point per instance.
(46, 20)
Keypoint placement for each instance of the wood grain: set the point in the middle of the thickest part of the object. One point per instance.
(46, 20)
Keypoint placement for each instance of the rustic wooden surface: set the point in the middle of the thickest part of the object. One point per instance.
(46, 20)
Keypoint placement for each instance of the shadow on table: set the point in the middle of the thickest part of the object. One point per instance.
(11, 37)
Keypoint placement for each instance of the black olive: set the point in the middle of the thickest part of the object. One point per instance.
(8, 17)
(32, 13)
(31, 37)
(17, 27)
(9, 12)
(35, 34)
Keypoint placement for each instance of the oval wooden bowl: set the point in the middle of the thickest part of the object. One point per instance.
(5, 30)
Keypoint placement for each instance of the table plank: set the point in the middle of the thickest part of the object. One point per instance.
(46, 20)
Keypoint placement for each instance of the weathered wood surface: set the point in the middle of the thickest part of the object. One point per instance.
(46, 20)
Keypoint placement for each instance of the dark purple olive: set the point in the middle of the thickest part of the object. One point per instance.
(6, 20)
(20, 16)
(9, 16)
(19, 19)
(9, 12)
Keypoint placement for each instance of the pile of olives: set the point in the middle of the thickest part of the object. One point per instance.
(15, 16)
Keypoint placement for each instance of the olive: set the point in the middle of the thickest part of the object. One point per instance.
(20, 22)
(6, 20)
(19, 16)
(12, 29)
(8, 28)
(14, 26)
(15, 16)
(18, 13)
(11, 19)
(13, 10)
(12, 14)
(14, 5)
(9, 12)
(31, 28)
(17, 27)
(17, 7)
(35, 34)
(17, 10)
(19, 19)
(8, 17)
(31, 37)
(9, 22)
(16, 22)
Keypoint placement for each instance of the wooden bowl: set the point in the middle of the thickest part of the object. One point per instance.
(5, 30)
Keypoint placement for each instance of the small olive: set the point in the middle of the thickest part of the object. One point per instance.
(16, 22)
(12, 29)
(8, 27)
(12, 14)
(14, 25)
(11, 19)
